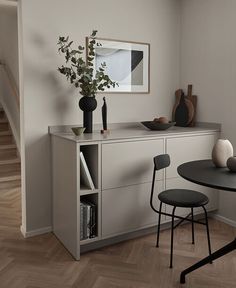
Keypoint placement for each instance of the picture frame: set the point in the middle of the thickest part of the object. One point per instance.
(127, 63)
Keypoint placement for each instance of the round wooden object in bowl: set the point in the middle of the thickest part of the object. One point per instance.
(231, 164)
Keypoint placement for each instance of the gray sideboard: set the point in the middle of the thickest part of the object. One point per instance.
(121, 165)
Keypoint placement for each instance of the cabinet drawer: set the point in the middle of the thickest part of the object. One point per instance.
(128, 208)
(181, 183)
(188, 148)
(129, 163)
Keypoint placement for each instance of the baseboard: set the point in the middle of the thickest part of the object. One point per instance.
(36, 232)
(224, 219)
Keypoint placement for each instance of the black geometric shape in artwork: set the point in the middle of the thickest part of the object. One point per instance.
(136, 58)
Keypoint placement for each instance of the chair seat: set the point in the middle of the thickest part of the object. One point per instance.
(183, 198)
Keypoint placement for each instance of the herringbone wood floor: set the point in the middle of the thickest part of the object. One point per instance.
(43, 262)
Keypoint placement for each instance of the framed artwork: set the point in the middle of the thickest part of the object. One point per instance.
(127, 63)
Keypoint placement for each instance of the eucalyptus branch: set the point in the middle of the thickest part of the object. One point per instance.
(80, 72)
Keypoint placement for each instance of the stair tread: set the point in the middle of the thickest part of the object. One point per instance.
(14, 160)
(5, 133)
(8, 156)
(10, 178)
(7, 146)
(9, 173)
(3, 120)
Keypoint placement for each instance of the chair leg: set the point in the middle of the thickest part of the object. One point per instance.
(208, 234)
(172, 237)
(192, 226)
(159, 224)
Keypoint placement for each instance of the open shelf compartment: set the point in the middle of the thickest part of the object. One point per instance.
(89, 168)
(89, 217)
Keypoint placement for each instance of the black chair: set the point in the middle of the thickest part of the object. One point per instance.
(178, 198)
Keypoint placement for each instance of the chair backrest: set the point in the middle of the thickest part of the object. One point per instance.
(161, 161)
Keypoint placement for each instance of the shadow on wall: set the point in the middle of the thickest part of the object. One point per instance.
(56, 93)
(63, 96)
(38, 182)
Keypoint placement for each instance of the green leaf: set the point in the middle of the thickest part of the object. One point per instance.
(70, 44)
(61, 39)
(94, 33)
(81, 61)
(73, 60)
(74, 52)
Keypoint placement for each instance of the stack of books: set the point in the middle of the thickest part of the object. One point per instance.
(88, 213)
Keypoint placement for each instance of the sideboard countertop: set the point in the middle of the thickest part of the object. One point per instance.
(118, 131)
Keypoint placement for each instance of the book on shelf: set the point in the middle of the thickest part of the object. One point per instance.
(88, 211)
(91, 220)
(82, 236)
(85, 176)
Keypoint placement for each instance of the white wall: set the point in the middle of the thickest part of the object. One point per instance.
(208, 60)
(49, 100)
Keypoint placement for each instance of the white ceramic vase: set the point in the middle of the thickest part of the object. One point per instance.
(221, 152)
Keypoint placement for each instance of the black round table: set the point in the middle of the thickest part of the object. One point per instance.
(203, 172)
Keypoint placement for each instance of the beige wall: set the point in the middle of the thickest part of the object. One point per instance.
(208, 60)
(9, 39)
(49, 100)
(9, 56)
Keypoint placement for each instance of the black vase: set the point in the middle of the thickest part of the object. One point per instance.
(88, 104)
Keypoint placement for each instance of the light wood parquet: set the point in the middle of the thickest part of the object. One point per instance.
(42, 262)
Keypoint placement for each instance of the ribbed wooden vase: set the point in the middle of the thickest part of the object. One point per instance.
(221, 152)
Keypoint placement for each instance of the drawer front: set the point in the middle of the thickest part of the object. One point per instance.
(186, 149)
(128, 208)
(182, 183)
(129, 163)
